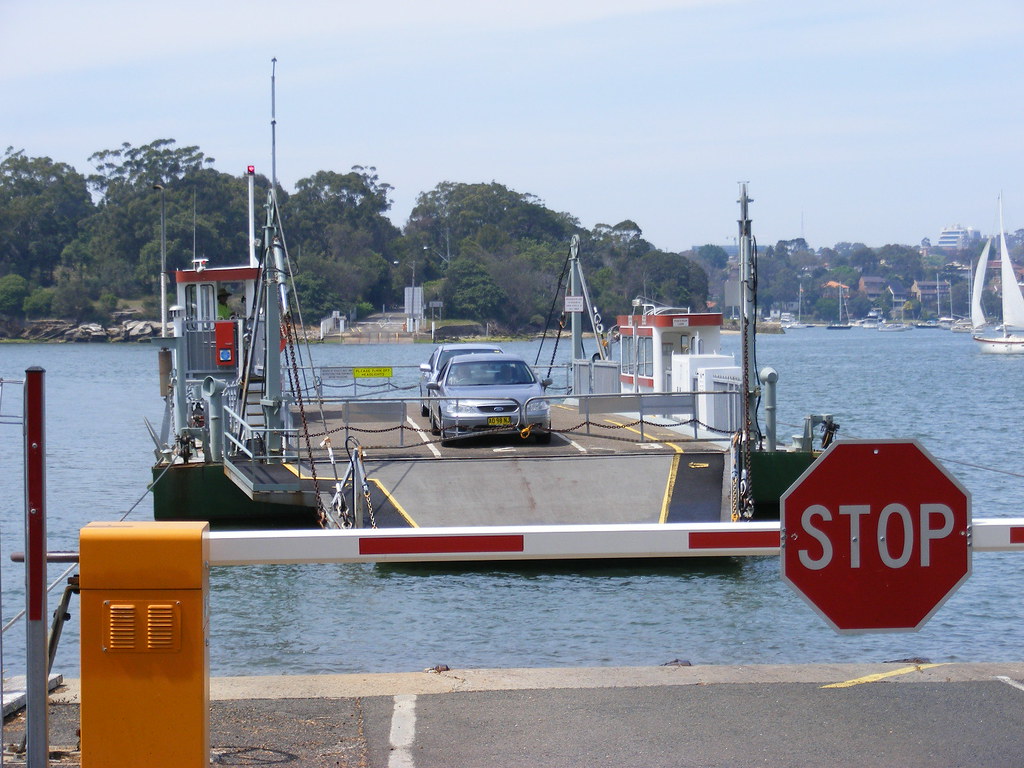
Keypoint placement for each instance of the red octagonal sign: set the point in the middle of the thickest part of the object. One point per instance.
(876, 535)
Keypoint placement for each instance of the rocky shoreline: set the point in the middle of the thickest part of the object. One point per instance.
(66, 331)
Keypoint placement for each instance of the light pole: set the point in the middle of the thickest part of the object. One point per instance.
(163, 263)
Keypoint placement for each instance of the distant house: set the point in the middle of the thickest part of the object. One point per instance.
(872, 287)
(926, 291)
(898, 293)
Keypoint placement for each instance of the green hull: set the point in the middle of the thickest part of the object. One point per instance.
(204, 492)
(772, 473)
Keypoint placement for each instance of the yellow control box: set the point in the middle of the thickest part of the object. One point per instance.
(145, 660)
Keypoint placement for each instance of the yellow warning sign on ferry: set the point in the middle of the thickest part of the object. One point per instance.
(372, 373)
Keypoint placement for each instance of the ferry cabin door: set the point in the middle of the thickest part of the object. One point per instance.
(668, 346)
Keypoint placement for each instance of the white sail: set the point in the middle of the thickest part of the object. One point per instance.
(977, 314)
(1013, 300)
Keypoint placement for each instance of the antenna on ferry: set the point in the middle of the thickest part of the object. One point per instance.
(273, 125)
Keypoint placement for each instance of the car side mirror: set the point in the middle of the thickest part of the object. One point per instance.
(545, 383)
(425, 367)
(433, 387)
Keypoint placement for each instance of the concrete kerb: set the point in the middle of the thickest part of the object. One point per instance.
(460, 680)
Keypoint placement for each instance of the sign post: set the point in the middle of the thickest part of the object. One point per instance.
(36, 651)
(876, 535)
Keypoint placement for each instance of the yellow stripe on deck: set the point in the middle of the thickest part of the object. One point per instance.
(394, 502)
(881, 676)
(670, 485)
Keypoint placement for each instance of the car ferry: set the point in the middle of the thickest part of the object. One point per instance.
(249, 439)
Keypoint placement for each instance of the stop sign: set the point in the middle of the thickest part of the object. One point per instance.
(875, 535)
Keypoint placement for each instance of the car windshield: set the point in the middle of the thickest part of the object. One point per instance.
(448, 354)
(490, 373)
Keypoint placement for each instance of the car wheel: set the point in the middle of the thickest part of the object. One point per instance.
(424, 411)
(447, 438)
(434, 429)
(543, 438)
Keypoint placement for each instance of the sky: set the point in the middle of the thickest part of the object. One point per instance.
(871, 121)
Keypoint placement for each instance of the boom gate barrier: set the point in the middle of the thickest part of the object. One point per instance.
(145, 660)
(145, 604)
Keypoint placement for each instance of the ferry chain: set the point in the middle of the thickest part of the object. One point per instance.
(288, 330)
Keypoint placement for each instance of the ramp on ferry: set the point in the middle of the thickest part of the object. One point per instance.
(555, 490)
(608, 469)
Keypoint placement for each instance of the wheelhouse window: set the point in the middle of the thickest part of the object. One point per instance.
(645, 356)
(626, 351)
(200, 302)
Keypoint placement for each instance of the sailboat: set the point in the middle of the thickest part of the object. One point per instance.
(1011, 340)
(799, 315)
(840, 325)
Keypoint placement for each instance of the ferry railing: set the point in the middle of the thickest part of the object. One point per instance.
(666, 404)
(370, 381)
(646, 406)
(251, 441)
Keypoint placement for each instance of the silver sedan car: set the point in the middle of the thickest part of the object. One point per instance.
(430, 370)
(488, 392)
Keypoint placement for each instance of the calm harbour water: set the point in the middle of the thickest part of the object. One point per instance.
(928, 384)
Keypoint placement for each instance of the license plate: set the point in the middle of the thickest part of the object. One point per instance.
(499, 421)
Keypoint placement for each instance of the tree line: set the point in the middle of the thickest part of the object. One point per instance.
(80, 246)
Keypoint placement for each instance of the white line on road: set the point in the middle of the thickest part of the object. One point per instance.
(424, 437)
(403, 732)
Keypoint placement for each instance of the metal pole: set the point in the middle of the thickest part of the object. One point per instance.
(251, 173)
(575, 290)
(273, 125)
(37, 652)
(163, 263)
(770, 376)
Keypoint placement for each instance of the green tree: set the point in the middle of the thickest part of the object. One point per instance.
(491, 216)
(41, 205)
(13, 292)
(39, 303)
(338, 230)
(470, 292)
(713, 256)
(128, 172)
(118, 247)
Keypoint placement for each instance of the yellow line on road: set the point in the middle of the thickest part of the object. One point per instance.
(881, 676)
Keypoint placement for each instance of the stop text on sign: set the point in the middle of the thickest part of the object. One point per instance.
(894, 515)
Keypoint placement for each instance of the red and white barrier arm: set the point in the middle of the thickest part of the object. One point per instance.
(541, 542)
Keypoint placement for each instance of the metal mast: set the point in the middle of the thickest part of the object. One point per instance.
(273, 125)
(578, 287)
(748, 311)
(748, 320)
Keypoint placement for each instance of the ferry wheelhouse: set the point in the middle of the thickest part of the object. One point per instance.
(674, 350)
(663, 348)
